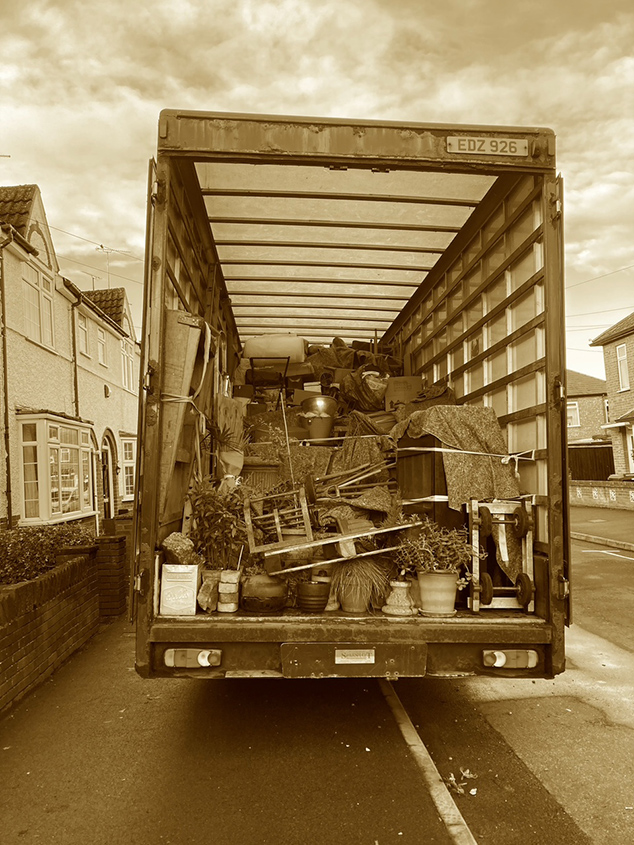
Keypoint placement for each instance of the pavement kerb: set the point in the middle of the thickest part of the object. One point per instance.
(602, 541)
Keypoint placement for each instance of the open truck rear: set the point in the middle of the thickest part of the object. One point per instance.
(440, 244)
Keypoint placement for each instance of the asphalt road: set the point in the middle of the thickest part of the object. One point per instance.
(98, 755)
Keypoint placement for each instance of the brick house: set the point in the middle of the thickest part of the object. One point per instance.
(69, 393)
(587, 407)
(618, 355)
(590, 454)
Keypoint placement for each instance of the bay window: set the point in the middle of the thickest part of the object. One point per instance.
(57, 477)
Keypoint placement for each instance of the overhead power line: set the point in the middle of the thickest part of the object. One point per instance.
(99, 269)
(95, 243)
(603, 276)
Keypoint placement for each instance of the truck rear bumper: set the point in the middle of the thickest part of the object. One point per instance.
(302, 647)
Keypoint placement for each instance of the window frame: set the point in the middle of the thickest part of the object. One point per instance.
(621, 368)
(35, 281)
(102, 346)
(573, 405)
(127, 364)
(63, 449)
(128, 465)
(82, 334)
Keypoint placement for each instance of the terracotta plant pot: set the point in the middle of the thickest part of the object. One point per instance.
(353, 599)
(312, 596)
(438, 593)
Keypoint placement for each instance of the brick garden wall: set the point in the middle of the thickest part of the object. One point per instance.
(42, 622)
(113, 574)
(602, 494)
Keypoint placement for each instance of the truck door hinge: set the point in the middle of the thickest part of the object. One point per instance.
(141, 582)
(149, 375)
(564, 587)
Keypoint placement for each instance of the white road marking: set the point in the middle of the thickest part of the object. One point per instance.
(605, 552)
(446, 806)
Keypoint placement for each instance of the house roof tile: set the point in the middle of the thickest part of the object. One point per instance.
(621, 329)
(16, 202)
(580, 384)
(110, 301)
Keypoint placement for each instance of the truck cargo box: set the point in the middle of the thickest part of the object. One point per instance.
(290, 258)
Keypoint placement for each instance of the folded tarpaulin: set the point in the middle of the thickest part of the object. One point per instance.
(473, 450)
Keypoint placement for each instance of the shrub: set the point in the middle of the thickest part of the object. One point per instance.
(27, 552)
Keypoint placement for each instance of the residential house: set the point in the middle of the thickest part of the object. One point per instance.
(69, 394)
(589, 446)
(618, 355)
(587, 407)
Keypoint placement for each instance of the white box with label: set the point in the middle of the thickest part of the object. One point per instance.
(179, 588)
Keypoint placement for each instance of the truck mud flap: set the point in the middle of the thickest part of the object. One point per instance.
(353, 660)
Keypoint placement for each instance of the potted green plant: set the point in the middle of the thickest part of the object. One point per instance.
(439, 557)
(358, 583)
(218, 530)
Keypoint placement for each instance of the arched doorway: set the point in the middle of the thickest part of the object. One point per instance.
(108, 463)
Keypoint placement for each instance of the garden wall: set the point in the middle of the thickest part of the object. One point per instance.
(42, 622)
(602, 494)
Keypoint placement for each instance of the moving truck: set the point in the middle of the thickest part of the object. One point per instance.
(441, 244)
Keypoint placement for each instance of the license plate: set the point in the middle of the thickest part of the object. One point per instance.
(350, 660)
(354, 655)
(487, 146)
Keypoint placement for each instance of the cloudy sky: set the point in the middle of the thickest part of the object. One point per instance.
(82, 84)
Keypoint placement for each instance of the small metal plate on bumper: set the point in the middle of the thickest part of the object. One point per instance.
(353, 660)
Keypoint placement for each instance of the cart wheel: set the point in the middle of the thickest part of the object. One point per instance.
(486, 521)
(520, 522)
(486, 588)
(309, 487)
(524, 587)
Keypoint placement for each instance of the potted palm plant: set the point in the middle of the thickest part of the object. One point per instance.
(439, 557)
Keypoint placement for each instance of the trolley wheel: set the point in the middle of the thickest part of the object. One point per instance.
(486, 588)
(520, 523)
(524, 587)
(486, 521)
(309, 487)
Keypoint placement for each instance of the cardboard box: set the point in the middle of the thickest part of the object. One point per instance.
(179, 588)
(402, 389)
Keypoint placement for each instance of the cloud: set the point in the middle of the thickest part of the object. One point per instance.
(82, 84)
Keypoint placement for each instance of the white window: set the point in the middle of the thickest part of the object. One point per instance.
(127, 363)
(129, 467)
(573, 415)
(621, 364)
(56, 470)
(38, 305)
(102, 356)
(82, 333)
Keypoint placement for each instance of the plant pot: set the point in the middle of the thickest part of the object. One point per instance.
(353, 599)
(319, 428)
(263, 594)
(438, 593)
(312, 596)
(399, 602)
